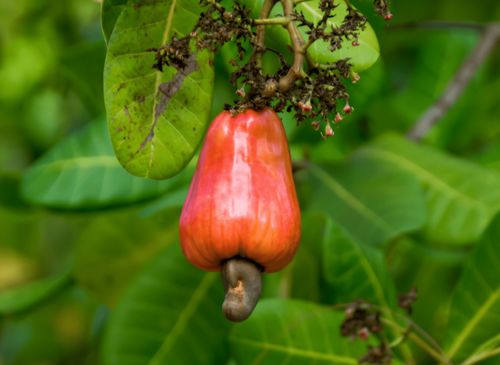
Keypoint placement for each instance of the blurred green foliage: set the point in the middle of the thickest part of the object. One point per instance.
(88, 253)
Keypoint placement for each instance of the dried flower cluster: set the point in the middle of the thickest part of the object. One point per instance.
(363, 320)
(314, 92)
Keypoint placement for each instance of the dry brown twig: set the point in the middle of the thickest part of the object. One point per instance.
(489, 39)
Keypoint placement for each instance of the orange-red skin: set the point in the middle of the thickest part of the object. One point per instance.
(242, 199)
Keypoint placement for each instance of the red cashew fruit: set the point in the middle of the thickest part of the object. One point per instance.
(242, 201)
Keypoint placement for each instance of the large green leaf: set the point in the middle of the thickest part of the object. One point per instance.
(81, 172)
(461, 197)
(475, 311)
(433, 272)
(22, 298)
(170, 315)
(361, 57)
(293, 332)
(372, 201)
(114, 247)
(156, 119)
(355, 271)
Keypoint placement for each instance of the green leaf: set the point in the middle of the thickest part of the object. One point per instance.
(110, 11)
(475, 309)
(22, 298)
(372, 201)
(293, 332)
(82, 66)
(156, 119)
(433, 271)
(170, 315)
(361, 57)
(489, 157)
(174, 199)
(461, 197)
(114, 248)
(10, 196)
(305, 269)
(355, 271)
(81, 172)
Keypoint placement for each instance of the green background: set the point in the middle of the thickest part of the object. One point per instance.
(90, 270)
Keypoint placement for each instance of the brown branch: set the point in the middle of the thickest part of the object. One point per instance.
(298, 43)
(260, 37)
(486, 44)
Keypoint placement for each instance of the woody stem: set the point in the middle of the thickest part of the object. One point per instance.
(260, 37)
(298, 45)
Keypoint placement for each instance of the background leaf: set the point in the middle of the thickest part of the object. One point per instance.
(433, 271)
(170, 315)
(81, 172)
(115, 247)
(461, 197)
(372, 201)
(436, 63)
(22, 298)
(305, 281)
(155, 133)
(294, 332)
(355, 271)
(475, 313)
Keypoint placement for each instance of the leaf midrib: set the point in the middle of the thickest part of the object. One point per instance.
(350, 199)
(297, 352)
(473, 322)
(372, 276)
(183, 318)
(166, 34)
(418, 170)
(81, 162)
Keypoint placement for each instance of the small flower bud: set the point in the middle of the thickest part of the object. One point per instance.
(316, 125)
(241, 93)
(348, 109)
(363, 333)
(328, 130)
(338, 118)
(305, 107)
(388, 16)
(355, 77)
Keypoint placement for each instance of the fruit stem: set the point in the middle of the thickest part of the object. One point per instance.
(242, 279)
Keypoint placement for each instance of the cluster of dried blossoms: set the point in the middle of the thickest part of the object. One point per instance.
(313, 92)
(363, 320)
